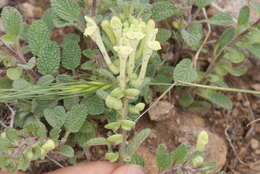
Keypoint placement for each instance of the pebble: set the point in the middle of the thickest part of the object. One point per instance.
(254, 144)
(3, 3)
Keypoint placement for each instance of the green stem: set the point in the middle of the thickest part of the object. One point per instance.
(220, 88)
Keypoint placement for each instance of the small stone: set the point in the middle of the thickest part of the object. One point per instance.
(256, 86)
(162, 111)
(257, 152)
(30, 11)
(254, 144)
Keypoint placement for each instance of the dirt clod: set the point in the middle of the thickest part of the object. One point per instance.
(162, 111)
(254, 144)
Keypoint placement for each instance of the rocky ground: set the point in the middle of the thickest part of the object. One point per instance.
(234, 135)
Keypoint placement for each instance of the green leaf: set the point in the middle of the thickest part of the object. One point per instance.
(255, 50)
(138, 139)
(243, 17)
(94, 105)
(217, 98)
(12, 21)
(256, 5)
(96, 142)
(67, 10)
(56, 117)
(184, 71)
(45, 80)
(38, 36)
(137, 160)
(163, 35)
(88, 66)
(48, 61)
(203, 3)
(71, 54)
(236, 71)
(4, 144)
(235, 56)
(179, 155)
(48, 18)
(163, 158)
(21, 84)
(186, 100)
(221, 18)
(71, 37)
(162, 10)
(29, 65)
(76, 118)
(87, 132)
(14, 73)
(69, 102)
(67, 151)
(227, 36)
(90, 53)
(55, 133)
(193, 36)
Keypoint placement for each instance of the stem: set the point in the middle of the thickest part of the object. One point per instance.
(220, 88)
(65, 138)
(94, 7)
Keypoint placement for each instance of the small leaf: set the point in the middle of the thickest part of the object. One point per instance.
(163, 158)
(221, 18)
(255, 50)
(180, 154)
(163, 35)
(76, 118)
(45, 80)
(237, 71)
(137, 160)
(234, 56)
(193, 36)
(186, 100)
(12, 21)
(138, 139)
(55, 117)
(243, 18)
(55, 133)
(162, 10)
(185, 72)
(227, 36)
(48, 61)
(94, 105)
(88, 66)
(217, 98)
(69, 102)
(71, 54)
(14, 73)
(8, 39)
(38, 36)
(90, 53)
(67, 151)
(48, 18)
(29, 65)
(87, 132)
(96, 142)
(202, 3)
(67, 10)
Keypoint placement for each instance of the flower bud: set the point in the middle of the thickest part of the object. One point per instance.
(132, 92)
(107, 28)
(113, 126)
(114, 103)
(127, 124)
(202, 141)
(115, 139)
(123, 51)
(48, 145)
(154, 45)
(116, 22)
(112, 157)
(117, 93)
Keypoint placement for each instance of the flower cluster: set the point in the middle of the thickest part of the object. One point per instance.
(133, 41)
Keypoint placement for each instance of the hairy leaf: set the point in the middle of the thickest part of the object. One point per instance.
(67, 151)
(94, 104)
(193, 36)
(71, 54)
(163, 35)
(221, 18)
(12, 21)
(76, 118)
(203, 3)
(243, 17)
(55, 116)
(163, 158)
(184, 71)
(38, 36)
(179, 155)
(162, 10)
(138, 139)
(48, 61)
(67, 10)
